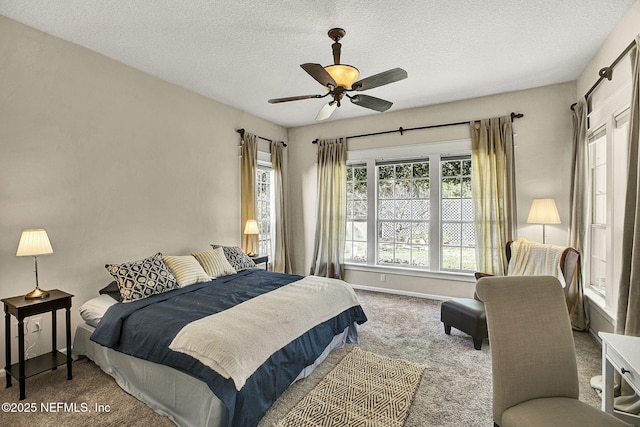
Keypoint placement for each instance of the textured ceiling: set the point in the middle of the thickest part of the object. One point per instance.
(243, 52)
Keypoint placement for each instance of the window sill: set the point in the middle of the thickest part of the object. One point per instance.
(598, 302)
(402, 271)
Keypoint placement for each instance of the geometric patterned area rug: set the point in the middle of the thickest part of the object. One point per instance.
(364, 389)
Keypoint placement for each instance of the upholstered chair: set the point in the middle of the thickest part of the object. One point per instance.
(535, 376)
(468, 315)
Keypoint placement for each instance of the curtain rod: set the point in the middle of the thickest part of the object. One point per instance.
(607, 72)
(402, 130)
(241, 132)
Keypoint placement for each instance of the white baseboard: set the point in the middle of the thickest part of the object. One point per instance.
(399, 292)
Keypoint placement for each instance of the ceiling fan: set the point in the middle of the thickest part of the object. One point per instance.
(340, 79)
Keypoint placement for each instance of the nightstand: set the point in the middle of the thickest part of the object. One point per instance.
(20, 308)
(259, 259)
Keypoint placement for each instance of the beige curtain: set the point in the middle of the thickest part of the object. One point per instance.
(628, 316)
(281, 262)
(248, 188)
(328, 254)
(579, 213)
(493, 189)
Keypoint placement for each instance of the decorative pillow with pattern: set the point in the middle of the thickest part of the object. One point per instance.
(214, 263)
(186, 269)
(143, 278)
(236, 257)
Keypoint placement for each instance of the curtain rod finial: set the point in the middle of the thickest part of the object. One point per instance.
(240, 131)
(516, 116)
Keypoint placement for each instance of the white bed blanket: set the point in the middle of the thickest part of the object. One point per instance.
(535, 259)
(235, 342)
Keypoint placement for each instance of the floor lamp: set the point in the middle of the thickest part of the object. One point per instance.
(543, 211)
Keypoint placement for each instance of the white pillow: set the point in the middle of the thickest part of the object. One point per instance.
(93, 310)
(186, 270)
(214, 263)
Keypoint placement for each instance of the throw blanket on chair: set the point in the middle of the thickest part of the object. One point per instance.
(535, 259)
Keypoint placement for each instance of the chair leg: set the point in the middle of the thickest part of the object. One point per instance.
(477, 343)
(447, 329)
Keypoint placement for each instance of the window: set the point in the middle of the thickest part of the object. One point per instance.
(415, 212)
(598, 232)
(458, 234)
(356, 230)
(403, 213)
(264, 198)
(607, 189)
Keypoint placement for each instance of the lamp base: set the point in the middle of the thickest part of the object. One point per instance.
(36, 294)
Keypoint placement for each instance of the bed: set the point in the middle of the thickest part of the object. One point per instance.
(145, 346)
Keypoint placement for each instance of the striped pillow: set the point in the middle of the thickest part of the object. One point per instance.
(214, 263)
(186, 270)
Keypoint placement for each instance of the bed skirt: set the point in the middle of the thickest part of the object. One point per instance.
(186, 400)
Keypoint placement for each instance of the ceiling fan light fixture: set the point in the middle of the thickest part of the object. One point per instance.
(344, 75)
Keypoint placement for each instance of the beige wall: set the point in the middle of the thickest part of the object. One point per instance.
(115, 164)
(543, 159)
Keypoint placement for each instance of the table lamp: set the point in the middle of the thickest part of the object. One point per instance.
(251, 229)
(34, 243)
(543, 211)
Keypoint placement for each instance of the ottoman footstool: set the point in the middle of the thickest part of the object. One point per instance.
(466, 315)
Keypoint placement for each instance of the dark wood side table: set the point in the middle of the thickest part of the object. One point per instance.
(259, 259)
(20, 308)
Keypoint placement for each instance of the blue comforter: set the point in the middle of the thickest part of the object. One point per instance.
(145, 328)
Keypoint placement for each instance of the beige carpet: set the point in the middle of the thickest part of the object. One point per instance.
(456, 390)
(364, 389)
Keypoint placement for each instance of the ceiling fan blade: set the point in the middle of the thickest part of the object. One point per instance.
(371, 102)
(318, 72)
(380, 79)
(293, 98)
(326, 111)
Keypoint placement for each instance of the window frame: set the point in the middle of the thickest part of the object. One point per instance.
(432, 151)
(264, 165)
(613, 126)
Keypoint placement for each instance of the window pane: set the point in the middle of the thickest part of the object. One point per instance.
(264, 177)
(357, 211)
(421, 189)
(599, 202)
(458, 233)
(420, 210)
(385, 172)
(420, 255)
(420, 233)
(403, 213)
(451, 259)
(386, 209)
(421, 170)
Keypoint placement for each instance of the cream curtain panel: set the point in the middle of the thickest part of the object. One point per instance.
(628, 315)
(493, 190)
(281, 261)
(248, 187)
(328, 253)
(579, 213)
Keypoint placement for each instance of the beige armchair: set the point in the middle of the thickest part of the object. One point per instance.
(535, 376)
